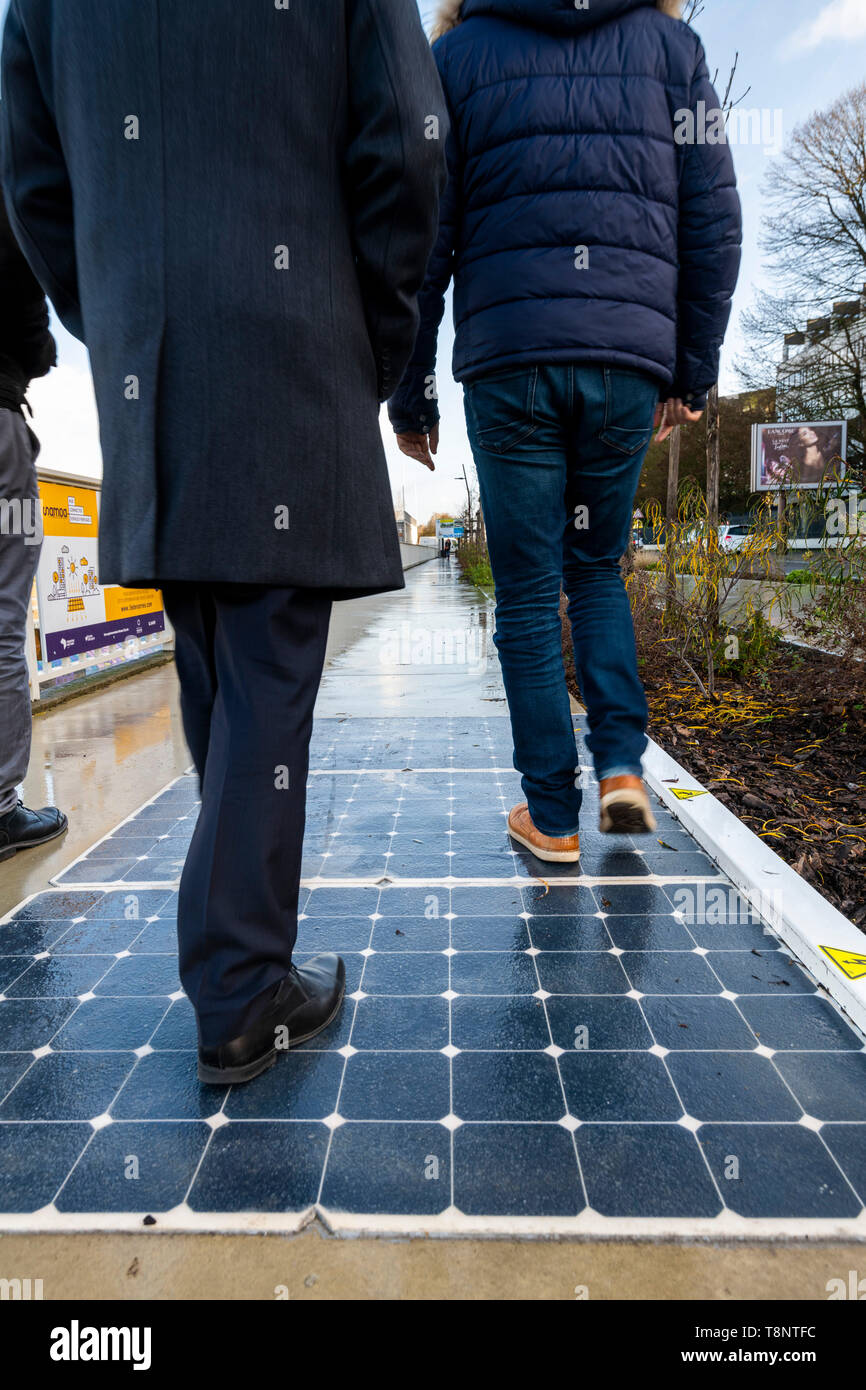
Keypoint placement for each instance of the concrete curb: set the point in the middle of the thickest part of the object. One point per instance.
(100, 680)
(805, 921)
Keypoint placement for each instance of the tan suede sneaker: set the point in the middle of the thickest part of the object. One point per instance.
(625, 807)
(555, 849)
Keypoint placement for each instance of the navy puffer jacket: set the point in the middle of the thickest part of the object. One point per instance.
(582, 221)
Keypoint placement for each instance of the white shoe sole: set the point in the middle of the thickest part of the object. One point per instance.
(552, 856)
(625, 813)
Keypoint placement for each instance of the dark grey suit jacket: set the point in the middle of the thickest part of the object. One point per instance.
(233, 206)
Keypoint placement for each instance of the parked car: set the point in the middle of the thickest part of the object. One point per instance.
(733, 536)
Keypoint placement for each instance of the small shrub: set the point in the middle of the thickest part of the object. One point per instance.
(475, 564)
(711, 619)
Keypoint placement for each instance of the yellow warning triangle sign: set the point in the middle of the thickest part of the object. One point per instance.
(852, 965)
(683, 794)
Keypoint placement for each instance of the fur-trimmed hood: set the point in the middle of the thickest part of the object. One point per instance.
(447, 17)
(559, 15)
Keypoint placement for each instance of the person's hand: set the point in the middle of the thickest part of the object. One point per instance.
(671, 413)
(420, 446)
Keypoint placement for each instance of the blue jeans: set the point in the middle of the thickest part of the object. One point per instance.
(559, 451)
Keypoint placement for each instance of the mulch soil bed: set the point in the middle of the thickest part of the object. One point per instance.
(786, 754)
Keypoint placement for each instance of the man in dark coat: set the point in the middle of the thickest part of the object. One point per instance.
(233, 206)
(26, 350)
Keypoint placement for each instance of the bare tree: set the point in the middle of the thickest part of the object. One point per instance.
(814, 240)
(815, 233)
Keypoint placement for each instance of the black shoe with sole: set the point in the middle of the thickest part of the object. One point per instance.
(302, 1005)
(25, 829)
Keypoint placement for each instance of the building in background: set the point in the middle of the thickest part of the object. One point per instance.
(822, 375)
(407, 526)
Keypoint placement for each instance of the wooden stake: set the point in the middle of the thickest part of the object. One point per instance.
(671, 517)
(713, 456)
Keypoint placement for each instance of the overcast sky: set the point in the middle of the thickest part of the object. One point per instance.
(796, 55)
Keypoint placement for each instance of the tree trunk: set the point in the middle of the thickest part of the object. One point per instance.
(671, 518)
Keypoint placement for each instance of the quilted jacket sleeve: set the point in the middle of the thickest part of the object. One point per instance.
(395, 170)
(414, 407)
(710, 240)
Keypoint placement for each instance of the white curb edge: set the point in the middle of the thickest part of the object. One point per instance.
(588, 1225)
(804, 920)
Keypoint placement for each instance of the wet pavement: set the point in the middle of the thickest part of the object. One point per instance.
(616, 1047)
(97, 758)
(104, 753)
(429, 650)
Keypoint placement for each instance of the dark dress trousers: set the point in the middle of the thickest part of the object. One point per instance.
(233, 205)
(249, 659)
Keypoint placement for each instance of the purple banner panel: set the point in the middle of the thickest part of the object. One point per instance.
(74, 641)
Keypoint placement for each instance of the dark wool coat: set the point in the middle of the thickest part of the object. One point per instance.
(233, 206)
(581, 223)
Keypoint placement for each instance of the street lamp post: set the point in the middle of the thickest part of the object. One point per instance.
(469, 525)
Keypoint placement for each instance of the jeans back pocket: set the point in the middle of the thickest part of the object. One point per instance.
(502, 408)
(629, 397)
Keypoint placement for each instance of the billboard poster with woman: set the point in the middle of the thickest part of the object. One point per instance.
(798, 455)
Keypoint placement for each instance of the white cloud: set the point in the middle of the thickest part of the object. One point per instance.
(65, 421)
(840, 21)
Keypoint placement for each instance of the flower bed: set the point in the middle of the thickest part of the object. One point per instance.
(785, 750)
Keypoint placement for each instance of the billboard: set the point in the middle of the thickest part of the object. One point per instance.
(76, 612)
(798, 455)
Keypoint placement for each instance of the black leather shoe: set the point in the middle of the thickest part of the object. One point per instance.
(24, 829)
(305, 1002)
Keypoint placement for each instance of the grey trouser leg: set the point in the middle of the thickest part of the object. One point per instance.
(20, 526)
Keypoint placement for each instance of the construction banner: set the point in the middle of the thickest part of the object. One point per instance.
(76, 612)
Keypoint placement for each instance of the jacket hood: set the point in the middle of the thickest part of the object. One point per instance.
(558, 16)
